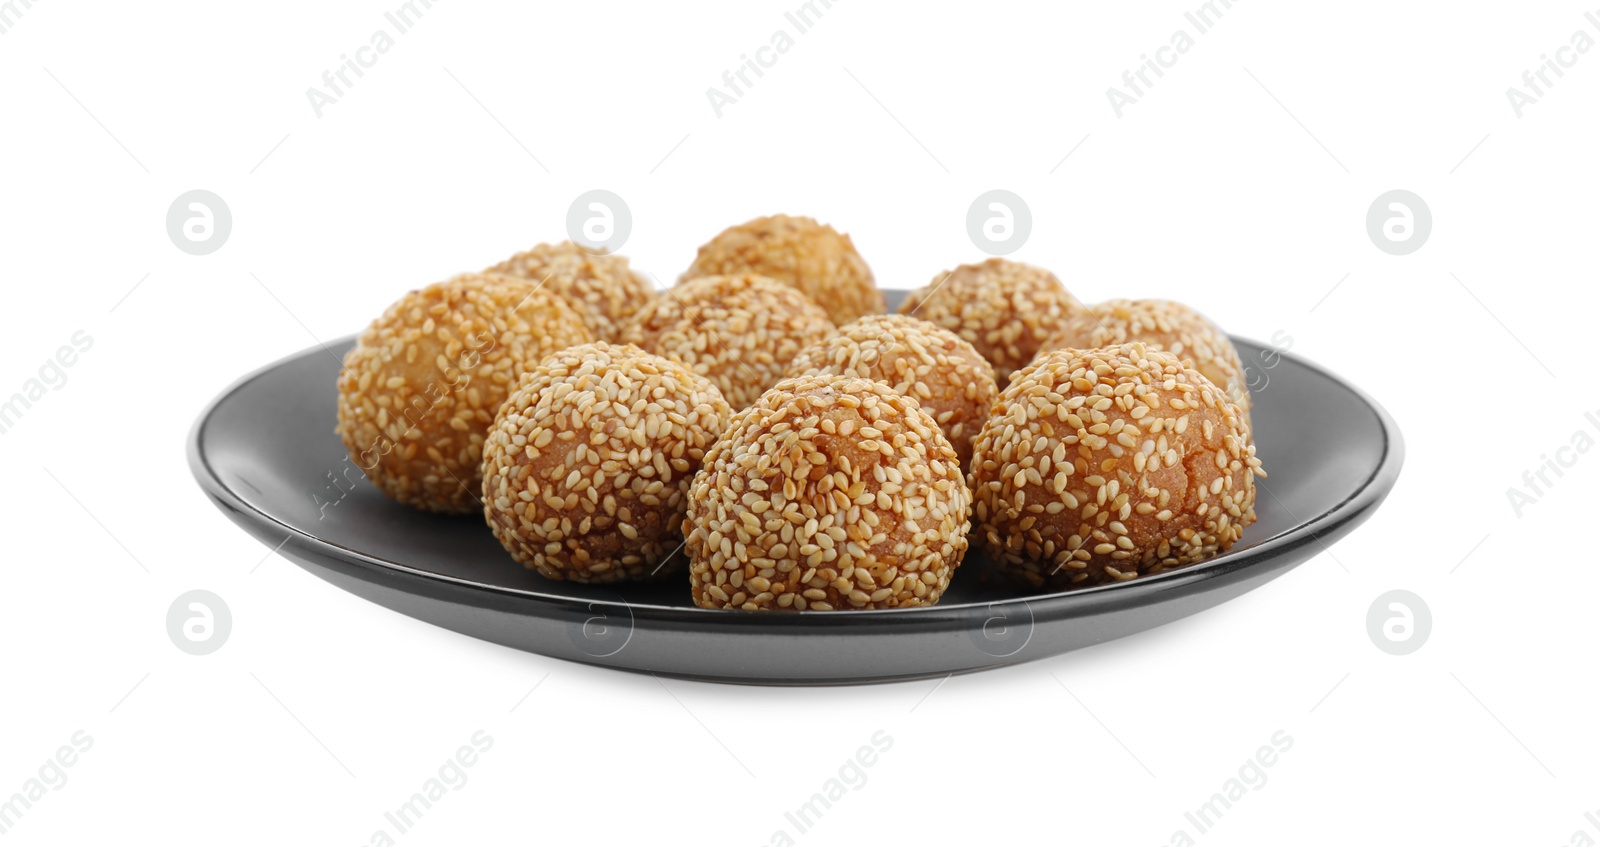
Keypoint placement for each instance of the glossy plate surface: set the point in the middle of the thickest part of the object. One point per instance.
(266, 454)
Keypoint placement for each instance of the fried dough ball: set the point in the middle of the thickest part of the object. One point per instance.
(739, 331)
(601, 286)
(1163, 325)
(587, 466)
(942, 372)
(1104, 465)
(810, 256)
(423, 383)
(1003, 308)
(830, 493)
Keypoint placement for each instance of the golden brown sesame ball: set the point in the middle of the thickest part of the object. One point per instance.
(810, 256)
(740, 331)
(1163, 325)
(424, 381)
(830, 492)
(1104, 465)
(587, 466)
(601, 286)
(944, 373)
(1003, 308)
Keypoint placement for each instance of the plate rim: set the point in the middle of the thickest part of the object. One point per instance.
(1229, 567)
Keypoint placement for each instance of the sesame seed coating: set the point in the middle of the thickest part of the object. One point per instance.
(422, 385)
(1163, 325)
(810, 256)
(740, 331)
(830, 493)
(1005, 309)
(1103, 465)
(587, 467)
(601, 286)
(943, 372)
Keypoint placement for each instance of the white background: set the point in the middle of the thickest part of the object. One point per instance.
(1240, 184)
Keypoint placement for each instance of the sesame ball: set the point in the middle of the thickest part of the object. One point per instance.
(601, 286)
(739, 331)
(1005, 309)
(944, 373)
(1103, 465)
(810, 256)
(1162, 325)
(587, 467)
(422, 385)
(829, 493)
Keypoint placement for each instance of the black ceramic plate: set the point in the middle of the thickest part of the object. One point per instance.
(266, 453)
